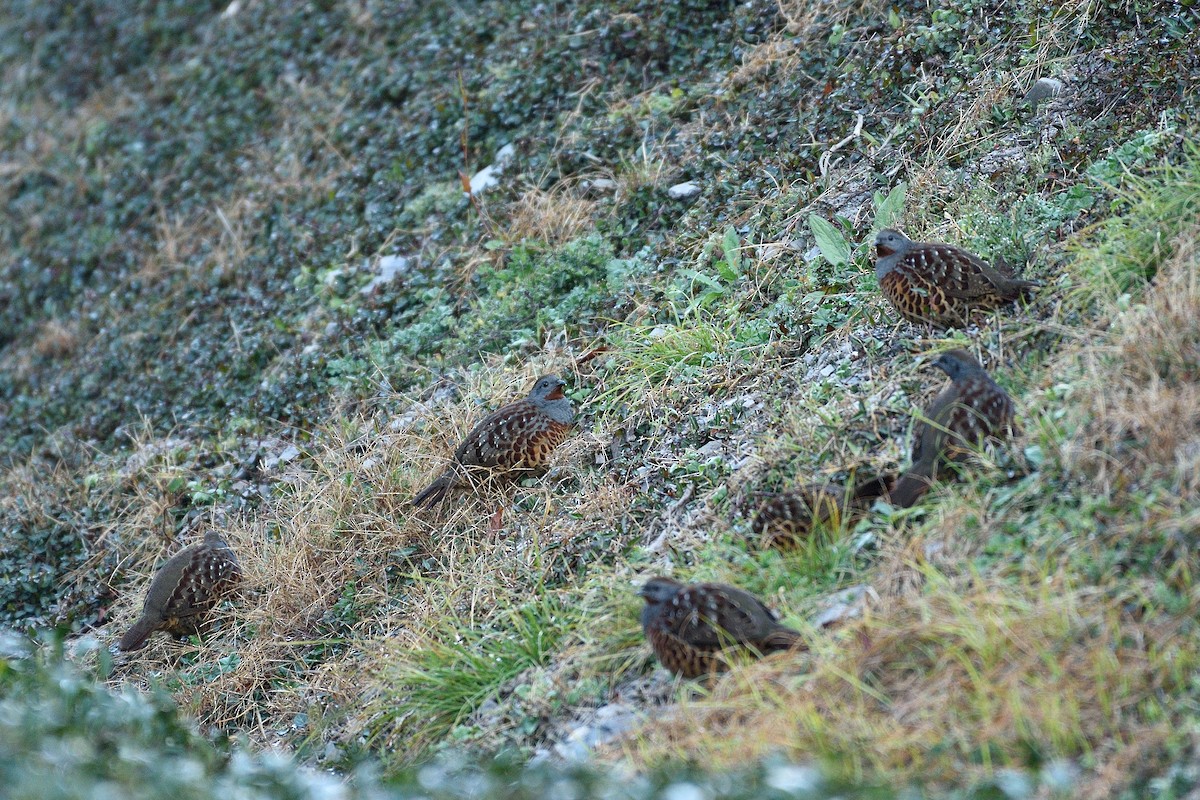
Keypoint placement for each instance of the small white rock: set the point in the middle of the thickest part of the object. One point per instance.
(1043, 89)
(486, 178)
(793, 778)
(505, 155)
(683, 191)
(602, 185)
(684, 791)
(1016, 784)
(489, 176)
(389, 268)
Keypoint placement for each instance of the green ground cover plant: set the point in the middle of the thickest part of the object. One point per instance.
(200, 204)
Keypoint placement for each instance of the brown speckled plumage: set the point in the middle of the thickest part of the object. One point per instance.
(788, 518)
(185, 589)
(516, 439)
(690, 626)
(972, 409)
(939, 284)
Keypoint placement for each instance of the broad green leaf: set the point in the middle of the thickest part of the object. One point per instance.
(888, 209)
(830, 240)
(731, 244)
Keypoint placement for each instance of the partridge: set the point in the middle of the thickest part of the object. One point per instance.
(185, 589)
(689, 626)
(788, 518)
(939, 283)
(516, 439)
(973, 408)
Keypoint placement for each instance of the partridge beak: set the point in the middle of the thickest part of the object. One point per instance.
(557, 392)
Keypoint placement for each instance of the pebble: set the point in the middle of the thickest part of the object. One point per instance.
(1043, 89)
(794, 778)
(289, 453)
(683, 191)
(600, 185)
(608, 723)
(389, 268)
(844, 605)
(489, 176)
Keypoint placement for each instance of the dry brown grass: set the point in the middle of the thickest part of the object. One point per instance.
(340, 565)
(955, 671)
(555, 216)
(1141, 404)
(56, 339)
(968, 671)
(807, 21)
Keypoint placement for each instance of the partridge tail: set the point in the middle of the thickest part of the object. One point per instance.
(1017, 288)
(435, 492)
(780, 639)
(875, 486)
(135, 638)
(911, 487)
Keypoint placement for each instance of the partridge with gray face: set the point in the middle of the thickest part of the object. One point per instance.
(971, 410)
(789, 518)
(517, 439)
(690, 626)
(939, 284)
(185, 589)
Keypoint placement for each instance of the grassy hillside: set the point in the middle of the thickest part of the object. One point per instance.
(241, 285)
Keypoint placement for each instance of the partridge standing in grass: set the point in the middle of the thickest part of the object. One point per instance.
(973, 408)
(689, 626)
(185, 589)
(939, 284)
(516, 439)
(789, 518)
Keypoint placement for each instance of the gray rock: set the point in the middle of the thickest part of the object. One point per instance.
(683, 191)
(794, 778)
(608, 723)
(489, 176)
(1060, 775)
(600, 186)
(1007, 160)
(1043, 89)
(284, 456)
(1014, 783)
(683, 791)
(389, 268)
(844, 605)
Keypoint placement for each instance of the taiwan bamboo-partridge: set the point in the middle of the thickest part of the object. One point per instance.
(185, 589)
(689, 626)
(788, 518)
(939, 284)
(972, 409)
(514, 440)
